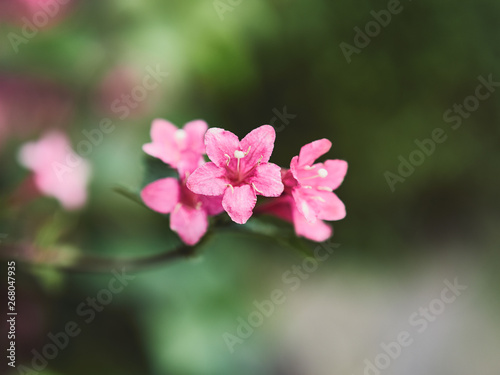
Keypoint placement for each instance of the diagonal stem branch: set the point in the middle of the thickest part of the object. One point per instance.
(31, 255)
(87, 263)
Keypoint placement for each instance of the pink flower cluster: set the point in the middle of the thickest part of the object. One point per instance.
(237, 172)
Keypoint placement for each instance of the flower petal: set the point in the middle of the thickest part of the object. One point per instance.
(260, 144)
(337, 170)
(324, 205)
(239, 203)
(54, 146)
(294, 167)
(53, 176)
(162, 195)
(212, 205)
(189, 161)
(70, 189)
(189, 223)
(163, 145)
(330, 207)
(220, 144)
(73, 201)
(331, 180)
(267, 180)
(195, 131)
(304, 204)
(288, 179)
(209, 179)
(318, 231)
(310, 152)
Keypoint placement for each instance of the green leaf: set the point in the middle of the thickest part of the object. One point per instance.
(129, 193)
(155, 170)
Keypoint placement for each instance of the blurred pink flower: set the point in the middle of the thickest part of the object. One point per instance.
(51, 106)
(119, 93)
(36, 14)
(188, 211)
(182, 149)
(57, 170)
(238, 171)
(3, 123)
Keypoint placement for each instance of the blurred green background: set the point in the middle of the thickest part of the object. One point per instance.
(237, 70)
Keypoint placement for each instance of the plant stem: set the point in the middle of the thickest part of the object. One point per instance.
(86, 263)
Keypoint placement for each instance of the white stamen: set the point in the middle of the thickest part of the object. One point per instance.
(324, 188)
(308, 167)
(307, 187)
(239, 154)
(322, 173)
(180, 134)
(228, 158)
(232, 188)
(319, 199)
(257, 190)
(305, 208)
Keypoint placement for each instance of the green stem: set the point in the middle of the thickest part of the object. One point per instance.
(86, 263)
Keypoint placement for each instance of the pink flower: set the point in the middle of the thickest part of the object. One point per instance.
(309, 197)
(51, 105)
(58, 171)
(16, 10)
(238, 171)
(314, 184)
(180, 148)
(188, 211)
(115, 94)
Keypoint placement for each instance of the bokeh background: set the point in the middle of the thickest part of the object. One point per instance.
(236, 68)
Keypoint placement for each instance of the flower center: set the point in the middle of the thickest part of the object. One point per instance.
(187, 197)
(242, 170)
(239, 155)
(180, 137)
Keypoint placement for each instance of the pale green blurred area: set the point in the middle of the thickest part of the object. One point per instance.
(395, 248)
